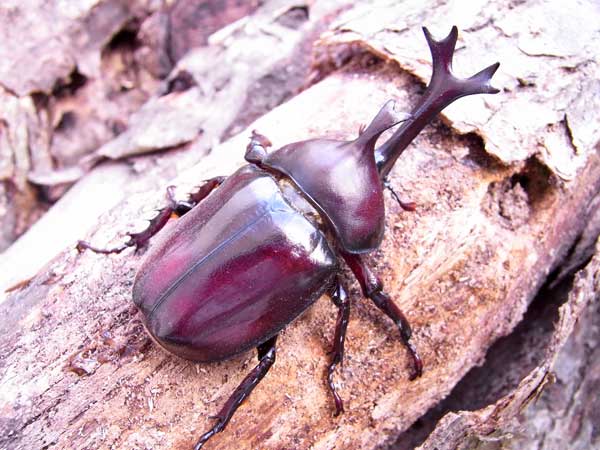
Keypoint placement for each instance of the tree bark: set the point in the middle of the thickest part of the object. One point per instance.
(496, 183)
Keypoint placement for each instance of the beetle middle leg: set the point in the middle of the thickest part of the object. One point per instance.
(373, 289)
(179, 208)
(266, 358)
(340, 298)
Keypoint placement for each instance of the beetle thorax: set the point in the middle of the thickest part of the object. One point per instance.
(341, 181)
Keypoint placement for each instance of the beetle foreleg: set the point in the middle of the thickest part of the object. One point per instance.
(135, 239)
(340, 298)
(373, 289)
(266, 358)
(179, 208)
(201, 193)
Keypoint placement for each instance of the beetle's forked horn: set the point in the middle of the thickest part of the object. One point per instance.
(443, 89)
(442, 53)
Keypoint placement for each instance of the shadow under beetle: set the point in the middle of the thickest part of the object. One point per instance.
(247, 260)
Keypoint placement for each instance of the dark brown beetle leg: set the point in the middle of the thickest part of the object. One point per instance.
(266, 358)
(179, 208)
(202, 192)
(406, 206)
(340, 298)
(373, 289)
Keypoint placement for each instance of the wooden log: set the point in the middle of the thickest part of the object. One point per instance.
(492, 222)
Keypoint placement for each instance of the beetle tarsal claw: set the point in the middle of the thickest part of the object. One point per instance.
(81, 246)
(217, 428)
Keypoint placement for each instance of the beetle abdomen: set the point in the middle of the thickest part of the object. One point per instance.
(233, 271)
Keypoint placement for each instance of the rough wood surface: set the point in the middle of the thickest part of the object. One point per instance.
(494, 218)
(536, 389)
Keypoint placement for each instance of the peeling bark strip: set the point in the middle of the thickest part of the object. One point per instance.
(464, 266)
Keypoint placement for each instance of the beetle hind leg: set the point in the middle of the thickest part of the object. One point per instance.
(373, 289)
(266, 358)
(340, 298)
(178, 208)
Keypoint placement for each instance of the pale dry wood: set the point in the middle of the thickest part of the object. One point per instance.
(464, 267)
(559, 416)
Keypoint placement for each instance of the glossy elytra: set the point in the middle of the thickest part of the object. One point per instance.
(255, 249)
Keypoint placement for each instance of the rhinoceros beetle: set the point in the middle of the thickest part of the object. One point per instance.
(245, 261)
